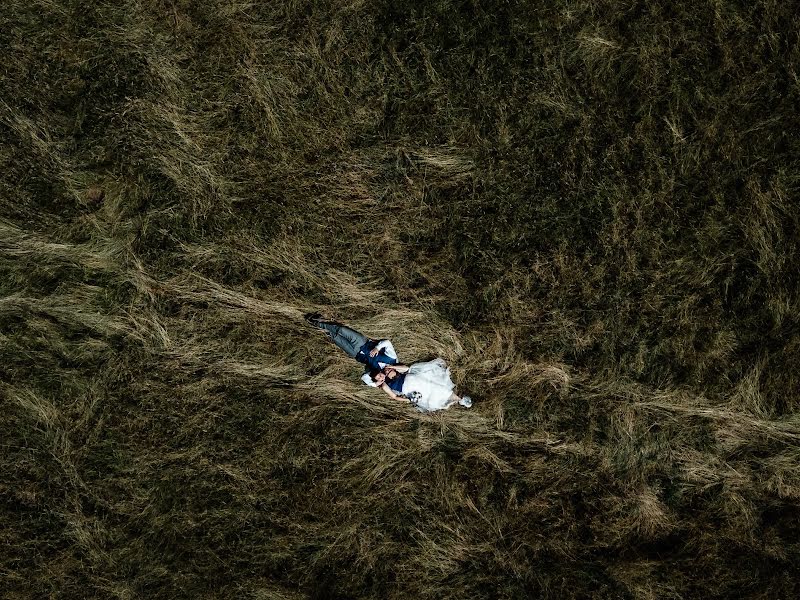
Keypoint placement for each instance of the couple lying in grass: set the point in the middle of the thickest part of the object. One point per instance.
(426, 385)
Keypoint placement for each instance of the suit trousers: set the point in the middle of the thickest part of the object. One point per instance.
(346, 338)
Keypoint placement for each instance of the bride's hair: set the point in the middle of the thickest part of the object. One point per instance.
(373, 374)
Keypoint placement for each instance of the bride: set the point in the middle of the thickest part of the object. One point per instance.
(426, 385)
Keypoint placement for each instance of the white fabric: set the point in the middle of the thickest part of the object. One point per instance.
(431, 380)
(388, 350)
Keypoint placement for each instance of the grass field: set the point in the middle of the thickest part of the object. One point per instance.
(590, 209)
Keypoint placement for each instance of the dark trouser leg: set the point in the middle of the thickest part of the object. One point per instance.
(346, 338)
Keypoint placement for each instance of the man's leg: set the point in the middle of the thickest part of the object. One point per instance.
(346, 338)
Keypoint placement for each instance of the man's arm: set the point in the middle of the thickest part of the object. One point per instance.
(386, 350)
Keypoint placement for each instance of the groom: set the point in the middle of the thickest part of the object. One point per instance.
(373, 354)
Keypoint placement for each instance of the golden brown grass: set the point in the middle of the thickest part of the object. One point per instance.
(587, 210)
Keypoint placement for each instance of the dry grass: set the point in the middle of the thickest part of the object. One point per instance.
(587, 209)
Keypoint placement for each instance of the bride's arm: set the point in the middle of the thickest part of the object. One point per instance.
(401, 368)
(392, 395)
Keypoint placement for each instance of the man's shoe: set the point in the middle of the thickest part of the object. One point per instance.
(466, 402)
(313, 319)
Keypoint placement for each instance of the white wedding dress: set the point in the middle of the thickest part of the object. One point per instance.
(428, 385)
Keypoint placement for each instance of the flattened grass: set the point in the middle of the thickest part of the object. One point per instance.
(588, 209)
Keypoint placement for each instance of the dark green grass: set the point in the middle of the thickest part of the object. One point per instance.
(589, 209)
